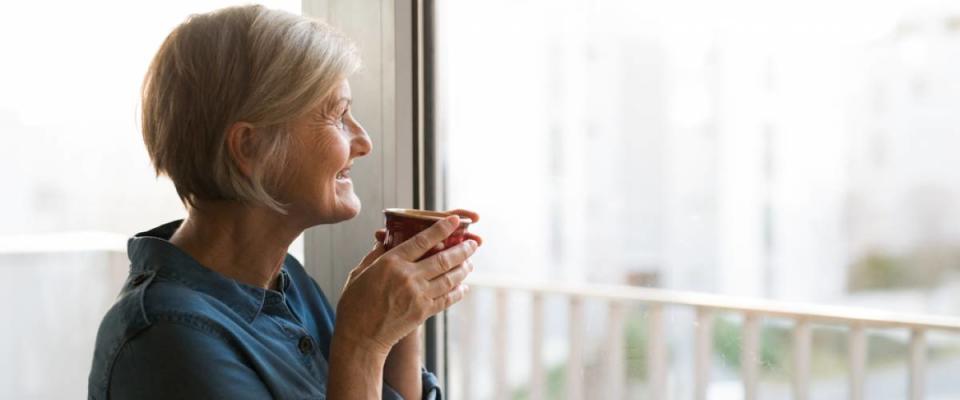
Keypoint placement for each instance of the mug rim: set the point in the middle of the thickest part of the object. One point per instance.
(423, 214)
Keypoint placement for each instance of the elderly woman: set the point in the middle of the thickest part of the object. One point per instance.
(247, 110)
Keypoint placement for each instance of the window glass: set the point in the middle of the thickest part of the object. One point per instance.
(77, 180)
(802, 151)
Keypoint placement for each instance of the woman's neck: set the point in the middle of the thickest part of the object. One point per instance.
(244, 243)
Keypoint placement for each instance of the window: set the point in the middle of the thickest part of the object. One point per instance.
(792, 151)
(76, 177)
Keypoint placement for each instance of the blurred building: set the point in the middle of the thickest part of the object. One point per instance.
(903, 204)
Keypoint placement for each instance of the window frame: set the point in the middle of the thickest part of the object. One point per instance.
(393, 99)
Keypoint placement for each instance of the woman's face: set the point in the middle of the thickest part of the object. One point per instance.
(324, 144)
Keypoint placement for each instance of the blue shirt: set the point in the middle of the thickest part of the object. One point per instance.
(179, 330)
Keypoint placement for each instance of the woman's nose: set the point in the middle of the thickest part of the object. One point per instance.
(360, 144)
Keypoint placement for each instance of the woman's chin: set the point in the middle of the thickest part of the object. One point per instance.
(352, 203)
(344, 208)
(347, 208)
(352, 212)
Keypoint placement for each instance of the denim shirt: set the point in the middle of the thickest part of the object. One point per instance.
(179, 330)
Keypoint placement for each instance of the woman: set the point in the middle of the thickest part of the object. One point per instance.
(247, 110)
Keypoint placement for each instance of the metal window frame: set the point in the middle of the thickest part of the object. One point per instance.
(393, 97)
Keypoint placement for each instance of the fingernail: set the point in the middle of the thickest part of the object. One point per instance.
(472, 243)
(453, 220)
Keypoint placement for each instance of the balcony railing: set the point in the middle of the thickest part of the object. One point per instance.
(706, 306)
(56, 288)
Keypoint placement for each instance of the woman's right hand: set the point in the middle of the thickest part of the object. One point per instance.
(390, 294)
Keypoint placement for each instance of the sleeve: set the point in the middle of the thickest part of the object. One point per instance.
(431, 388)
(175, 361)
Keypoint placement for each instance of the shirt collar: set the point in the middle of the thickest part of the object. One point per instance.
(151, 252)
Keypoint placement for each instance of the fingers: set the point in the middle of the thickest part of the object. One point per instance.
(446, 260)
(466, 213)
(473, 217)
(416, 246)
(443, 284)
(380, 235)
(473, 237)
(450, 298)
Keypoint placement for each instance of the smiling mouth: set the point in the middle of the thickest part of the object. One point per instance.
(344, 174)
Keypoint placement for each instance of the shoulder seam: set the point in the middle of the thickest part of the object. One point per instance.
(190, 320)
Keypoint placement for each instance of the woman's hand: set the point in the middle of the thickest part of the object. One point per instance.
(390, 294)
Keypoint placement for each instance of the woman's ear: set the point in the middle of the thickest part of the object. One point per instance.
(240, 142)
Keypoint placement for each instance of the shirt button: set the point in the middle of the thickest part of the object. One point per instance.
(306, 345)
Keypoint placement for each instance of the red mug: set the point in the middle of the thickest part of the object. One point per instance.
(403, 224)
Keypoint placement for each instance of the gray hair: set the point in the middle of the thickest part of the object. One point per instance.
(252, 64)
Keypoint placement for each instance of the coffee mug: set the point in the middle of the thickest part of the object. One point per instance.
(403, 224)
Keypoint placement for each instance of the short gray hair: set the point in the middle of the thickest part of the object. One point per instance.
(252, 64)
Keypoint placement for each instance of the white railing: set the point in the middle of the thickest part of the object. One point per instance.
(55, 289)
(706, 306)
